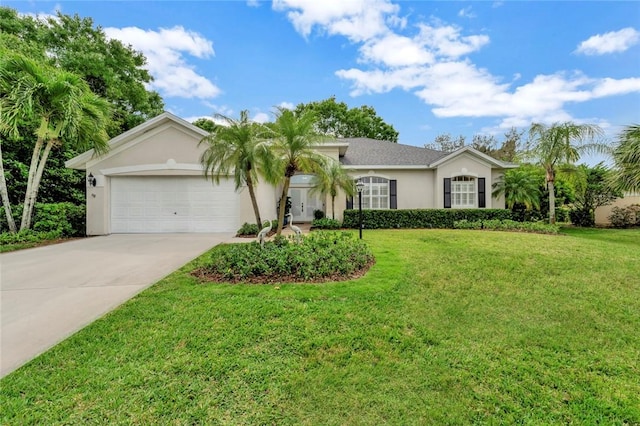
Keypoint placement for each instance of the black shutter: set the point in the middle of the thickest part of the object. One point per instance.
(482, 203)
(447, 193)
(349, 202)
(393, 194)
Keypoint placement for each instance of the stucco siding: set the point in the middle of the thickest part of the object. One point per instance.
(602, 213)
(463, 165)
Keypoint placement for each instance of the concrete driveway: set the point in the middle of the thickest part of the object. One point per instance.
(48, 293)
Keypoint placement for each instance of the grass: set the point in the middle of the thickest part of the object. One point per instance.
(448, 327)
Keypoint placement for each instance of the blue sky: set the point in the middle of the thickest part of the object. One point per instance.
(427, 68)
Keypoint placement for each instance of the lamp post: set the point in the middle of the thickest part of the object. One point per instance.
(360, 187)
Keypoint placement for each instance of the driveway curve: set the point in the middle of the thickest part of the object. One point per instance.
(48, 293)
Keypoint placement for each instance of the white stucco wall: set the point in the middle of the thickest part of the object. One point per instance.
(466, 165)
(603, 213)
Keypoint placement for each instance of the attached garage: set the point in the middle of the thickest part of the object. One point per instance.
(162, 204)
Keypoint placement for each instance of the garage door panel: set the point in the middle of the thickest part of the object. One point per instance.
(154, 204)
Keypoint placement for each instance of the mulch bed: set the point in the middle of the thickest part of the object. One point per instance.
(206, 277)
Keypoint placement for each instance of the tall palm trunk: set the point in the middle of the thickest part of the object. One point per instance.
(333, 207)
(4, 193)
(33, 184)
(552, 196)
(283, 203)
(254, 201)
(33, 168)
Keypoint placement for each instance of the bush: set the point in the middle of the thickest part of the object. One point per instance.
(582, 217)
(319, 256)
(318, 214)
(508, 225)
(28, 236)
(420, 218)
(625, 217)
(563, 214)
(67, 218)
(325, 223)
(248, 229)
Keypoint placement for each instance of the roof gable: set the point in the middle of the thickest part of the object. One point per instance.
(474, 153)
(371, 152)
(131, 136)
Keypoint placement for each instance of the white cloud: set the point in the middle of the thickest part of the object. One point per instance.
(260, 117)
(446, 40)
(466, 13)
(396, 50)
(358, 20)
(287, 105)
(611, 42)
(253, 3)
(164, 50)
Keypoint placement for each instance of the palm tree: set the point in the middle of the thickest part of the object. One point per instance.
(559, 144)
(293, 150)
(626, 157)
(331, 179)
(60, 108)
(236, 146)
(518, 186)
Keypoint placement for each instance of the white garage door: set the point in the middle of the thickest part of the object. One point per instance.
(155, 204)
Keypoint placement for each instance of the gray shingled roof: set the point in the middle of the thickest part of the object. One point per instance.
(371, 152)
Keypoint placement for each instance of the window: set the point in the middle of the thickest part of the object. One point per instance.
(463, 192)
(375, 194)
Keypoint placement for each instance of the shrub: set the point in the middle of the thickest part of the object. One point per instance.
(248, 229)
(625, 217)
(318, 214)
(563, 214)
(325, 223)
(508, 225)
(67, 218)
(419, 218)
(582, 217)
(319, 256)
(28, 236)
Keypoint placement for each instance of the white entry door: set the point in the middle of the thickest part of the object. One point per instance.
(303, 204)
(157, 204)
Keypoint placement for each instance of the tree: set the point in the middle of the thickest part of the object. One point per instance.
(508, 149)
(293, 150)
(519, 186)
(59, 109)
(557, 144)
(330, 180)
(446, 143)
(338, 120)
(592, 192)
(206, 124)
(236, 148)
(626, 158)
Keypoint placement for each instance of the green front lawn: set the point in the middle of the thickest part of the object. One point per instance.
(448, 327)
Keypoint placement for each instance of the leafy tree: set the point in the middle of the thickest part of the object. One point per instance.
(293, 146)
(338, 120)
(59, 109)
(206, 124)
(519, 186)
(508, 149)
(557, 144)
(593, 192)
(446, 143)
(330, 180)
(236, 148)
(626, 158)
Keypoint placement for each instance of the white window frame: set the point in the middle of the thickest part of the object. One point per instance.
(464, 192)
(376, 193)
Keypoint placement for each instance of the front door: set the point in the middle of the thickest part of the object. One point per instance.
(303, 204)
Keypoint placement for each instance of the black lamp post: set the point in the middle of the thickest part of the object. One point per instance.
(360, 187)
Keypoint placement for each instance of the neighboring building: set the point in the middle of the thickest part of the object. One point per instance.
(602, 213)
(151, 181)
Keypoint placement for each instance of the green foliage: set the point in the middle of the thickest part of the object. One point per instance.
(419, 218)
(625, 217)
(319, 256)
(445, 142)
(338, 120)
(626, 158)
(509, 149)
(508, 225)
(519, 186)
(65, 218)
(330, 180)
(582, 217)
(28, 236)
(248, 229)
(325, 223)
(318, 214)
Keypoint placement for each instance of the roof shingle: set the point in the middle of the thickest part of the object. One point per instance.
(371, 152)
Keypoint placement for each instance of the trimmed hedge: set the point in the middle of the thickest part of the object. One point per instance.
(420, 218)
(508, 225)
